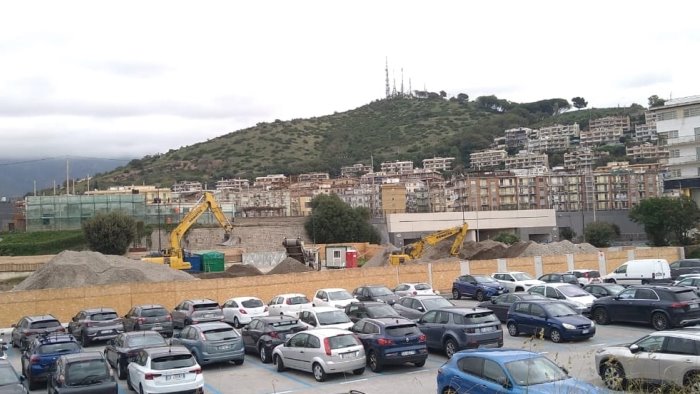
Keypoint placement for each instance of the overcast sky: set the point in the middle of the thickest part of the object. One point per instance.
(126, 79)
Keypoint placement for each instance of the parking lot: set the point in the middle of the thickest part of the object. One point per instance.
(257, 378)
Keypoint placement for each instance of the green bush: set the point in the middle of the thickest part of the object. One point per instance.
(41, 242)
(507, 238)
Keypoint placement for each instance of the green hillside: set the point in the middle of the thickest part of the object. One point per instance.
(388, 129)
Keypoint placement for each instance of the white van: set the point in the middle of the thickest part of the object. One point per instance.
(643, 271)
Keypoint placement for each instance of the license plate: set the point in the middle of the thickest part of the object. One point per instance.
(693, 306)
(408, 352)
(177, 376)
(584, 332)
(347, 355)
(224, 347)
(488, 329)
(106, 332)
(209, 315)
(157, 328)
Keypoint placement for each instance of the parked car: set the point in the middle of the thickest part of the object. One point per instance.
(681, 277)
(334, 297)
(391, 341)
(455, 328)
(479, 287)
(211, 343)
(552, 319)
(288, 304)
(3, 348)
(80, 373)
(149, 317)
(599, 290)
(10, 380)
(640, 272)
(413, 288)
(166, 369)
(95, 324)
(262, 334)
(667, 358)
(559, 278)
(573, 295)
(196, 311)
(501, 304)
(321, 352)
(684, 267)
(375, 293)
(121, 350)
(325, 317)
(373, 309)
(586, 277)
(41, 353)
(661, 306)
(239, 311)
(506, 370)
(689, 282)
(29, 327)
(413, 307)
(515, 280)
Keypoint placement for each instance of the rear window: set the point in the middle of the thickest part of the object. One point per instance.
(594, 274)
(44, 324)
(477, 318)
(145, 340)
(568, 277)
(342, 341)
(252, 303)
(220, 334)
(332, 317)
(688, 295)
(102, 316)
(154, 312)
(286, 326)
(207, 306)
(86, 372)
(172, 361)
(381, 311)
(403, 330)
(60, 347)
(422, 286)
(297, 300)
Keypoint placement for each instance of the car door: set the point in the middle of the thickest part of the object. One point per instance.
(645, 301)
(321, 298)
(311, 349)
(75, 326)
(645, 363)
(293, 350)
(428, 326)
(500, 305)
(676, 355)
(521, 317)
(186, 338)
(128, 320)
(17, 330)
(179, 314)
(621, 307)
(250, 334)
(111, 350)
(275, 306)
(416, 310)
(472, 377)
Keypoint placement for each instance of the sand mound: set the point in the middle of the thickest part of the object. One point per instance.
(78, 269)
(243, 270)
(562, 247)
(289, 265)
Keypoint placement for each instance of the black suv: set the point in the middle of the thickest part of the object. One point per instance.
(371, 309)
(685, 266)
(560, 278)
(661, 306)
(375, 293)
(29, 327)
(263, 334)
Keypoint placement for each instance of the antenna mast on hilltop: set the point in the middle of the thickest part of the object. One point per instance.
(386, 71)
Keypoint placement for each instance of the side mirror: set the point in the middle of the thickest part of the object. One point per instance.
(634, 348)
(13, 325)
(176, 335)
(493, 300)
(512, 280)
(420, 308)
(503, 381)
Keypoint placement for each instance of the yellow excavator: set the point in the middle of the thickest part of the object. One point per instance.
(174, 256)
(415, 250)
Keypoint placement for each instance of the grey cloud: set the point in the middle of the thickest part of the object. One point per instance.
(643, 80)
(132, 69)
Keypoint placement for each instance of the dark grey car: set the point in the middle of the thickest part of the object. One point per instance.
(413, 307)
(95, 324)
(212, 342)
(196, 311)
(151, 317)
(29, 327)
(375, 293)
(501, 304)
(81, 373)
(456, 328)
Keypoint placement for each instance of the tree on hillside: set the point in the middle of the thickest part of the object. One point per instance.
(656, 101)
(443, 94)
(462, 98)
(110, 233)
(666, 219)
(332, 221)
(579, 102)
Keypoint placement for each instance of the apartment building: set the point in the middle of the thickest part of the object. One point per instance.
(645, 132)
(438, 164)
(548, 143)
(355, 170)
(393, 197)
(235, 184)
(397, 167)
(517, 137)
(648, 151)
(271, 180)
(525, 159)
(262, 201)
(582, 158)
(186, 187)
(560, 130)
(314, 176)
(622, 186)
(611, 122)
(487, 159)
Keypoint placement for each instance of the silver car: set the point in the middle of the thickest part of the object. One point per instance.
(413, 307)
(321, 351)
(211, 342)
(662, 357)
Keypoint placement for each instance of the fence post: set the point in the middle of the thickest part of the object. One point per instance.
(430, 274)
(602, 266)
(570, 261)
(538, 266)
(464, 267)
(502, 265)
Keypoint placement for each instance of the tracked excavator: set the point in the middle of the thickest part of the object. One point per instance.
(174, 256)
(415, 250)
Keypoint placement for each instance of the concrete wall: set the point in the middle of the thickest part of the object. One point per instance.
(577, 221)
(64, 303)
(264, 261)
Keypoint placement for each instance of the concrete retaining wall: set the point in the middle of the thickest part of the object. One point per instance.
(264, 261)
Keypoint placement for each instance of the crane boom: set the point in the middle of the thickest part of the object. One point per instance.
(416, 249)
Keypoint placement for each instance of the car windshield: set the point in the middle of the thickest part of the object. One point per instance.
(102, 316)
(172, 361)
(435, 303)
(332, 317)
(403, 330)
(556, 309)
(573, 291)
(688, 295)
(207, 306)
(220, 334)
(485, 279)
(479, 318)
(376, 311)
(86, 372)
(252, 303)
(154, 312)
(422, 286)
(342, 341)
(60, 347)
(297, 300)
(8, 376)
(536, 370)
(521, 276)
(45, 324)
(339, 295)
(379, 291)
(145, 340)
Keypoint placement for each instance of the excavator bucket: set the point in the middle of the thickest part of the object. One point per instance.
(230, 240)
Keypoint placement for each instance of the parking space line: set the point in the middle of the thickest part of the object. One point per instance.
(211, 389)
(354, 381)
(287, 376)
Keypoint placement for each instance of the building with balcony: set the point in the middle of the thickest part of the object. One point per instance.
(355, 170)
(517, 137)
(548, 143)
(187, 187)
(582, 158)
(234, 184)
(438, 164)
(611, 122)
(397, 167)
(560, 130)
(487, 159)
(393, 197)
(314, 176)
(648, 151)
(525, 159)
(271, 180)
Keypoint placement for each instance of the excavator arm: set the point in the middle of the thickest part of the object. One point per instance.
(418, 248)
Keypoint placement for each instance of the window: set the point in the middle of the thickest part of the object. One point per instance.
(336, 254)
(621, 269)
(627, 294)
(689, 112)
(298, 340)
(551, 293)
(645, 294)
(522, 308)
(537, 290)
(674, 153)
(673, 134)
(313, 342)
(492, 371)
(651, 343)
(471, 365)
(429, 317)
(536, 310)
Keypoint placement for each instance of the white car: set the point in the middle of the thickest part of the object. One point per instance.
(574, 295)
(288, 304)
(516, 280)
(325, 317)
(333, 297)
(239, 311)
(416, 288)
(164, 369)
(586, 277)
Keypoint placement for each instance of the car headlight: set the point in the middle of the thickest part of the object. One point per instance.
(382, 301)
(592, 324)
(569, 326)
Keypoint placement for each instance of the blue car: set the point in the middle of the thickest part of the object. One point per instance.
(391, 340)
(506, 370)
(41, 354)
(480, 287)
(553, 319)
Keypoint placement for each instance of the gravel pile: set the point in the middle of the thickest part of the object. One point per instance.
(289, 265)
(562, 247)
(78, 269)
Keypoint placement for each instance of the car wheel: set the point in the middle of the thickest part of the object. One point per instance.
(613, 376)
(450, 347)
(121, 370)
(600, 315)
(359, 371)
(419, 363)
(479, 295)
(692, 383)
(264, 355)
(374, 364)
(239, 362)
(319, 373)
(513, 329)
(236, 323)
(279, 363)
(659, 321)
(555, 335)
(455, 294)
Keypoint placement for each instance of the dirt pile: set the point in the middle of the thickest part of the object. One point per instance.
(234, 271)
(563, 247)
(289, 265)
(78, 269)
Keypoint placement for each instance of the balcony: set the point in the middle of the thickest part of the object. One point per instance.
(685, 140)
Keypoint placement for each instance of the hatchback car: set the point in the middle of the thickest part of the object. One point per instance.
(455, 328)
(95, 324)
(150, 317)
(212, 342)
(196, 311)
(689, 282)
(413, 307)
(552, 319)
(322, 352)
(169, 369)
(375, 293)
(506, 370)
(516, 280)
(263, 334)
(335, 297)
(239, 311)
(42, 352)
(479, 287)
(668, 358)
(501, 304)
(289, 304)
(325, 317)
(586, 277)
(121, 350)
(414, 288)
(10, 380)
(80, 373)
(373, 309)
(603, 289)
(573, 295)
(29, 327)
(391, 341)
(663, 307)
(559, 278)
